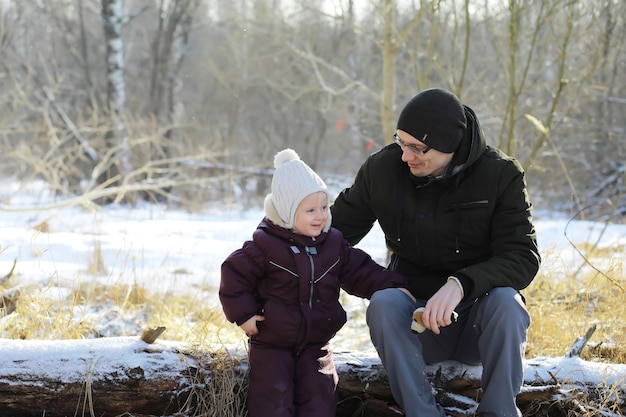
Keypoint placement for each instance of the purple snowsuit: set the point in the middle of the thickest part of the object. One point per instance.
(294, 281)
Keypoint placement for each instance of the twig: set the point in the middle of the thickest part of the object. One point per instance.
(150, 335)
(93, 155)
(613, 281)
(580, 343)
(10, 273)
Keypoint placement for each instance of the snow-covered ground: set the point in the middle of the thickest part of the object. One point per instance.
(173, 251)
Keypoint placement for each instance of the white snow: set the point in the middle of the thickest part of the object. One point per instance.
(172, 250)
(85, 357)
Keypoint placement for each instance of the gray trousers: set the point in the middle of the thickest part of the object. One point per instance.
(490, 331)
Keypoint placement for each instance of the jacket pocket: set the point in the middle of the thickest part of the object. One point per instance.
(326, 321)
(474, 213)
(467, 205)
(282, 324)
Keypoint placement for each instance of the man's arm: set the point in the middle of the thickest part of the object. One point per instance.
(515, 256)
(351, 211)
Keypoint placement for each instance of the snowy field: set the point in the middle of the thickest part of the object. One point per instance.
(174, 251)
(178, 252)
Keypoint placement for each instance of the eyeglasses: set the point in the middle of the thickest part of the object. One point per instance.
(413, 148)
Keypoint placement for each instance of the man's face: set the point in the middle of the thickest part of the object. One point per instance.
(422, 160)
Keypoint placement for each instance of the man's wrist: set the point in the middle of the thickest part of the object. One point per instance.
(458, 281)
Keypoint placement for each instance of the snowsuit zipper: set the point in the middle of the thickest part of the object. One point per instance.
(313, 251)
(309, 252)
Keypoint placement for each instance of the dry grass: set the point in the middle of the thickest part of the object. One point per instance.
(219, 386)
(564, 302)
(564, 307)
(73, 313)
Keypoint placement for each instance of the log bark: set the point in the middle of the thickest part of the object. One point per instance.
(126, 376)
(103, 377)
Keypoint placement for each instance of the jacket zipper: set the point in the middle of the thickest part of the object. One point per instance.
(312, 281)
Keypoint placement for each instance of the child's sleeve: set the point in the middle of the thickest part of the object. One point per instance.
(362, 276)
(240, 273)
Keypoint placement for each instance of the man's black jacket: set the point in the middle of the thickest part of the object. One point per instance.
(474, 222)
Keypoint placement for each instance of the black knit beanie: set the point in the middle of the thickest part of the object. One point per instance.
(435, 117)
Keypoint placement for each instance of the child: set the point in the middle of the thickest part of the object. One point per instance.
(282, 289)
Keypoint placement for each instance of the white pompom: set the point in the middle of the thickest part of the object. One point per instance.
(285, 155)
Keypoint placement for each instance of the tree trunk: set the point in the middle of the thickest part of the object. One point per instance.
(117, 165)
(389, 48)
(126, 376)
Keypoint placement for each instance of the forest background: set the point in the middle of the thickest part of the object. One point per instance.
(183, 103)
(186, 101)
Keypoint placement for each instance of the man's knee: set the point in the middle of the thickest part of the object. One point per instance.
(507, 304)
(384, 296)
(388, 305)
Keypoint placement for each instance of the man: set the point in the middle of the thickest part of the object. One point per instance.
(458, 222)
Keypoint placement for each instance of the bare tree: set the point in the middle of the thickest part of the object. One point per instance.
(226, 84)
(116, 165)
(169, 50)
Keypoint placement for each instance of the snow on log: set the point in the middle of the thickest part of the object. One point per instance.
(549, 382)
(114, 376)
(109, 376)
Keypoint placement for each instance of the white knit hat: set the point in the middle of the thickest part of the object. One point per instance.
(292, 182)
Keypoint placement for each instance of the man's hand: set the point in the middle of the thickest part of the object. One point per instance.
(249, 326)
(439, 309)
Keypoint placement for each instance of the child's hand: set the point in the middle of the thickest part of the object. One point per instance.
(249, 326)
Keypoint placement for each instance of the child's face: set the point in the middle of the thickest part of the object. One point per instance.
(312, 214)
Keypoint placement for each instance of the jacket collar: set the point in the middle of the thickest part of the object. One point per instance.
(472, 146)
(289, 235)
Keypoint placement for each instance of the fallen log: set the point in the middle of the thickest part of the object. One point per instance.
(557, 383)
(127, 376)
(105, 377)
